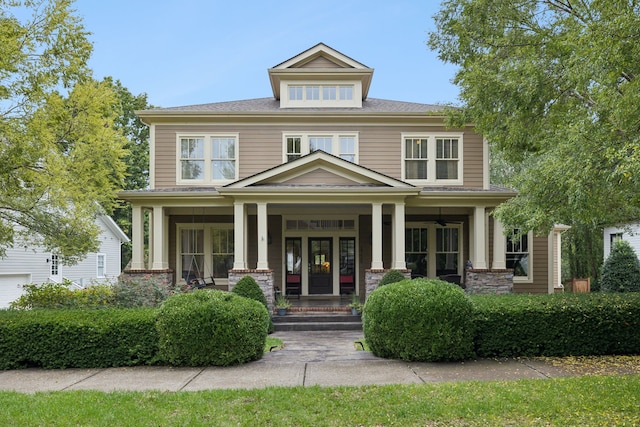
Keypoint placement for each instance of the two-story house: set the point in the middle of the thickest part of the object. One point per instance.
(320, 189)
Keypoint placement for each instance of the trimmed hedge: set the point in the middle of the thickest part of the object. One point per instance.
(77, 338)
(419, 320)
(211, 327)
(391, 276)
(557, 325)
(248, 287)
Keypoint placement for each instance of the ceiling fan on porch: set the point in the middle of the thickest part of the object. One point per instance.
(443, 222)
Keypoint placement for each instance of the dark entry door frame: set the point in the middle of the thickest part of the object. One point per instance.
(320, 265)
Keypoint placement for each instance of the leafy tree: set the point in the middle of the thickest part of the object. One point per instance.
(137, 157)
(621, 271)
(553, 85)
(60, 155)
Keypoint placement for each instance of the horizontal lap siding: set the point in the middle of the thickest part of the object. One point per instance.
(540, 269)
(261, 147)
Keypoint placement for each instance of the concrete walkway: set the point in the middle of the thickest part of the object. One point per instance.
(309, 358)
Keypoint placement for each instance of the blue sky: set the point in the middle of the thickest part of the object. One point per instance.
(199, 51)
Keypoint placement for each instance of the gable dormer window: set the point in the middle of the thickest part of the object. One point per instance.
(321, 94)
(343, 145)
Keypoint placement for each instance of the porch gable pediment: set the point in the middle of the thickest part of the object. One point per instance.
(319, 169)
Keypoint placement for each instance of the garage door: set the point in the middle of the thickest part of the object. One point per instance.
(11, 287)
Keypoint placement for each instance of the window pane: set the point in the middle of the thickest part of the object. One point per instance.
(416, 169)
(346, 93)
(295, 93)
(192, 169)
(313, 93)
(320, 143)
(328, 93)
(222, 251)
(517, 256)
(223, 149)
(446, 169)
(224, 169)
(192, 148)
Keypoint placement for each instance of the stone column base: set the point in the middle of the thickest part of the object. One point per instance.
(496, 282)
(264, 279)
(373, 276)
(163, 277)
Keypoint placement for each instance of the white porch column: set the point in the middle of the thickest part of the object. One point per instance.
(159, 238)
(399, 262)
(263, 237)
(239, 249)
(479, 259)
(376, 236)
(499, 246)
(137, 238)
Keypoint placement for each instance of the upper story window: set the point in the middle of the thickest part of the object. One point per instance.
(341, 145)
(432, 158)
(321, 94)
(207, 158)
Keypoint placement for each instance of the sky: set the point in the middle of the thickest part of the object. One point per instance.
(192, 52)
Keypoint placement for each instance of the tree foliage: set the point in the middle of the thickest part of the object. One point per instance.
(553, 85)
(60, 154)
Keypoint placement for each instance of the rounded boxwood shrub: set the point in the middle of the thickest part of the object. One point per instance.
(391, 276)
(211, 327)
(248, 287)
(621, 270)
(419, 320)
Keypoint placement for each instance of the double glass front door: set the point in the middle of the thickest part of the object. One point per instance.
(320, 275)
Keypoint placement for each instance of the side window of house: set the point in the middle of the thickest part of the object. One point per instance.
(614, 237)
(517, 255)
(101, 263)
(207, 158)
(447, 250)
(432, 159)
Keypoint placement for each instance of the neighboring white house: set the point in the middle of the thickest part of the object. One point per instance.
(628, 232)
(23, 265)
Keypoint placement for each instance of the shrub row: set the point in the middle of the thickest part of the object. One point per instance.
(430, 320)
(194, 329)
(77, 338)
(557, 325)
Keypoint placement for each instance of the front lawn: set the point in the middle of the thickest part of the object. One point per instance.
(583, 401)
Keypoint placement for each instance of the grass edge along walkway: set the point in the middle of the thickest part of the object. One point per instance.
(584, 401)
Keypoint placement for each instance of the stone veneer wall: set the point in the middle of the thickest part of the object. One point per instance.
(264, 279)
(373, 277)
(164, 277)
(489, 281)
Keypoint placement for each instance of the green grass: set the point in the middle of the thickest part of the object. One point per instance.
(273, 344)
(583, 401)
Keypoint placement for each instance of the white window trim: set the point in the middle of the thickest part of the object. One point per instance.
(431, 158)
(432, 245)
(286, 102)
(335, 143)
(529, 277)
(104, 266)
(208, 248)
(207, 180)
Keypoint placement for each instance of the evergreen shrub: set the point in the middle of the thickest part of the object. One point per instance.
(621, 270)
(391, 276)
(248, 287)
(211, 327)
(557, 325)
(77, 338)
(143, 292)
(419, 320)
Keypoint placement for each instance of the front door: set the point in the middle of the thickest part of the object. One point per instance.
(320, 267)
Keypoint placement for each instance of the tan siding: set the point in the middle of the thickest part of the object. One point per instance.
(261, 147)
(540, 269)
(319, 176)
(320, 62)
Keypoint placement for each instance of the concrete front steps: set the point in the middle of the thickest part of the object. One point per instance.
(322, 319)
